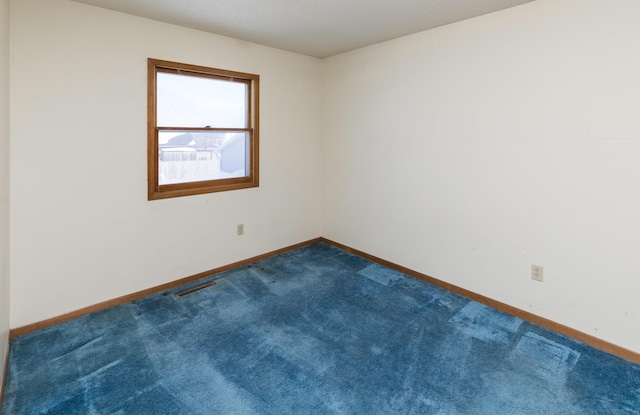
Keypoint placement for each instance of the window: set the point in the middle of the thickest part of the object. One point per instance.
(202, 131)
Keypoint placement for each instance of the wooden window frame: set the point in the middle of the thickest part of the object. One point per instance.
(158, 191)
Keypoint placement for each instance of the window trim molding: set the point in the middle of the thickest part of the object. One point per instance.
(157, 191)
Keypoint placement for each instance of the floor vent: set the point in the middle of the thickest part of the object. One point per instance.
(194, 289)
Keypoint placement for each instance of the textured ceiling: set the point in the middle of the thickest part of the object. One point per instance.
(318, 28)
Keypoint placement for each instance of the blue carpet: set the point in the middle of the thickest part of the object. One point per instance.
(312, 331)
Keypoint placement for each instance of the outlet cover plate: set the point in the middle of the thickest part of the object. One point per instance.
(536, 272)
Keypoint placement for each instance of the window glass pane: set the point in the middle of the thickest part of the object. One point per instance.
(203, 129)
(190, 156)
(195, 101)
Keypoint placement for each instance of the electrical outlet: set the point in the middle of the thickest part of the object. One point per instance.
(536, 272)
(240, 229)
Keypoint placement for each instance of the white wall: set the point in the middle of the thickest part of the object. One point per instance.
(471, 151)
(4, 182)
(82, 230)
